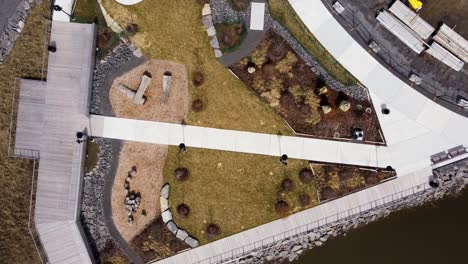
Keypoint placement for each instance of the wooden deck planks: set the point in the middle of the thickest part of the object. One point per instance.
(49, 116)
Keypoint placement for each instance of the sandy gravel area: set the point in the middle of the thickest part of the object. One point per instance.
(149, 159)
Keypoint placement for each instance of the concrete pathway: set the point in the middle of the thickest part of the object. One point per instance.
(254, 36)
(239, 141)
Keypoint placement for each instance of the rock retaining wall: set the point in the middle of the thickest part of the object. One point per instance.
(14, 27)
(169, 221)
(453, 179)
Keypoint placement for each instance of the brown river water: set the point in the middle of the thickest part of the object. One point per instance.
(436, 233)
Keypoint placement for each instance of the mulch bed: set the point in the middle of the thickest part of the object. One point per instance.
(157, 242)
(335, 181)
(284, 81)
(111, 254)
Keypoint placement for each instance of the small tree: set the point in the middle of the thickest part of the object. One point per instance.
(212, 230)
(183, 210)
(181, 174)
(197, 78)
(282, 207)
(197, 105)
(287, 185)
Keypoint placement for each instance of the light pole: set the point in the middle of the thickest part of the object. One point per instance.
(59, 8)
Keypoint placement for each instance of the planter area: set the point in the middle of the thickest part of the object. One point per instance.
(283, 80)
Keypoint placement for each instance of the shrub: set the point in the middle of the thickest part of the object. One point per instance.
(306, 175)
(287, 185)
(132, 28)
(198, 78)
(197, 105)
(183, 210)
(372, 179)
(212, 230)
(181, 174)
(327, 193)
(304, 200)
(231, 34)
(282, 207)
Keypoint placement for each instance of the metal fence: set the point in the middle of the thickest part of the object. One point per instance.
(240, 252)
(430, 87)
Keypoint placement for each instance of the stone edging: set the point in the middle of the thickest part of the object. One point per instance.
(169, 221)
(15, 25)
(207, 21)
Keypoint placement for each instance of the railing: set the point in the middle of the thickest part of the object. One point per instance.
(30, 218)
(266, 243)
(430, 87)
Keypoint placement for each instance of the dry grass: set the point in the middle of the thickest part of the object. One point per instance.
(283, 13)
(149, 161)
(172, 30)
(233, 190)
(15, 175)
(177, 105)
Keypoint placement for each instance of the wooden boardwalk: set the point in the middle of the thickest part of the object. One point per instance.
(49, 116)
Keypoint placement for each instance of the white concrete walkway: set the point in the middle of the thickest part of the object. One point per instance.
(239, 141)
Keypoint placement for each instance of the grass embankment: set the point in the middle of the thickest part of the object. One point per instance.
(88, 11)
(282, 11)
(232, 190)
(172, 30)
(24, 61)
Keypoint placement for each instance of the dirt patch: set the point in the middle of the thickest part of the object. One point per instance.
(149, 161)
(92, 155)
(147, 158)
(112, 254)
(157, 242)
(177, 105)
(284, 81)
(451, 12)
(336, 181)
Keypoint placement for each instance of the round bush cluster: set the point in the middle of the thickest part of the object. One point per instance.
(212, 230)
(197, 105)
(183, 210)
(197, 78)
(181, 174)
(287, 185)
(306, 175)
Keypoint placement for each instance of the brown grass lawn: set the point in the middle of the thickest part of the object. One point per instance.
(172, 30)
(233, 190)
(284, 13)
(15, 175)
(451, 12)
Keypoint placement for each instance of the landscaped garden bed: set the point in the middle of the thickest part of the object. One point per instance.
(239, 5)
(283, 80)
(334, 181)
(157, 242)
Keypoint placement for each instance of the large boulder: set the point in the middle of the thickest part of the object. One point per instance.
(164, 204)
(206, 10)
(166, 216)
(172, 227)
(165, 191)
(182, 234)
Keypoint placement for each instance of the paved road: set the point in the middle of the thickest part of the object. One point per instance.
(7, 8)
